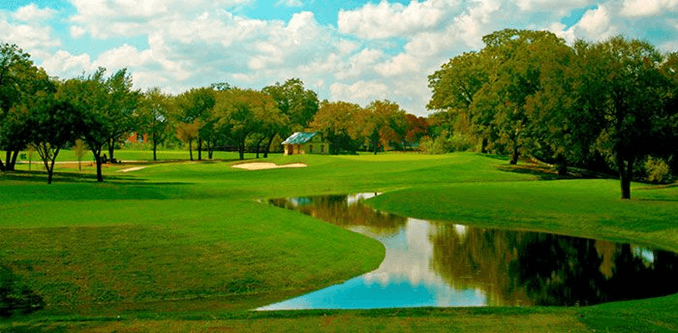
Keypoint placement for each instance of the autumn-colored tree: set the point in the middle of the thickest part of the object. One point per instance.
(187, 133)
(193, 108)
(381, 123)
(335, 121)
(416, 128)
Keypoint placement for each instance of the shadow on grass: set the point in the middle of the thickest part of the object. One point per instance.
(79, 178)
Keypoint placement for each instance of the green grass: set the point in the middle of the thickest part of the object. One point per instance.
(186, 246)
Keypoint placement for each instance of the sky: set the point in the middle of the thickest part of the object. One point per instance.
(354, 51)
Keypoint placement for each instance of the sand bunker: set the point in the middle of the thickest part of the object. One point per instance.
(132, 169)
(267, 165)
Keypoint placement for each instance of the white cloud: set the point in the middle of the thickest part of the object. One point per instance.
(65, 65)
(76, 31)
(124, 56)
(595, 24)
(398, 65)
(290, 3)
(33, 13)
(387, 19)
(634, 8)
(362, 91)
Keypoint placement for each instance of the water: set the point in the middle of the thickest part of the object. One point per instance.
(443, 264)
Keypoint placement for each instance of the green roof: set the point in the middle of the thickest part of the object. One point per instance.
(299, 138)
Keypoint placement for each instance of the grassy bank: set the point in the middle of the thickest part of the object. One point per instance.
(186, 246)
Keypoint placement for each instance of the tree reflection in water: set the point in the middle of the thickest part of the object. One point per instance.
(529, 268)
(496, 267)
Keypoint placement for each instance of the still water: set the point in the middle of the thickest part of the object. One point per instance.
(444, 264)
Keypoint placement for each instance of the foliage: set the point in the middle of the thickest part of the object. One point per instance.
(153, 114)
(658, 171)
(335, 121)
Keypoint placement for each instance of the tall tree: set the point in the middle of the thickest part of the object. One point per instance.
(621, 95)
(381, 123)
(20, 80)
(454, 87)
(154, 112)
(122, 108)
(335, 121)
(297, 103)
(90, 96)
(517, 58)
(244, 112)
(52, 125)
(193, 109)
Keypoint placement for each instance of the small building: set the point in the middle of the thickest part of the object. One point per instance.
(137, 138)
(306, 143)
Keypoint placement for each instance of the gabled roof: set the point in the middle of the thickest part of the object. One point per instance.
(299, 138)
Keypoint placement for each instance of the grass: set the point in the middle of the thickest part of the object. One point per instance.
(186, 246)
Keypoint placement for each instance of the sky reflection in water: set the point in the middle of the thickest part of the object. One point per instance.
(443, 264)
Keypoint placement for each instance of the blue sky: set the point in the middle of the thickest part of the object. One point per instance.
(355, 51)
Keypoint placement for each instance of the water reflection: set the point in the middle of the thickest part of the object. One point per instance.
(443, 264)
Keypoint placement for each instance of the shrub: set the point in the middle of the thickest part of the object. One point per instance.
(658, 171)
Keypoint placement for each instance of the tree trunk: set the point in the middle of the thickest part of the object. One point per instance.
(514, 155)
(97, 158)
(625, 175)
(268, 146)
(562, 166)
(199, 149)
(155, 149)
(483, 146)
(259, 145)
(241, 150)
(111, 149)
(10, 160)
(190, 149)
(2, 166)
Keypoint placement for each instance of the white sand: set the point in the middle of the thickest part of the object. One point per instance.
(267, 165)
(132, 169)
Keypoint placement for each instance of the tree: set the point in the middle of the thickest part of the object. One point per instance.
(335, 121)
(623, 97)
(380, 123)
(193, 109)
(79, 149)
(121, 109)
(19, 81)
(415, 129)
(52, 125)
(189, 133)
(517, 58)
(89, 95)
(245, 111)
(296, 103)
(454, 87)
(154, 111)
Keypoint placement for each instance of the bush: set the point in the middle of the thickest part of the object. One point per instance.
(658, 171)
(444, 144)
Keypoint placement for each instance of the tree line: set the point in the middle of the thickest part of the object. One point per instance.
(48, 114)
(610, 105)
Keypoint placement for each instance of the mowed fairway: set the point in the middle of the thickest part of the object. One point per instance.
(187, 246)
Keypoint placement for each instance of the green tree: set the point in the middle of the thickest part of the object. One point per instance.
(193, 108)
(20, 80)
(296, 103)
(335, 121)
(122, 108)
(623, 97)
(52, 125)
(243, 112)
(90, 96)
(517, 59)
(154, 112)
(454, 88)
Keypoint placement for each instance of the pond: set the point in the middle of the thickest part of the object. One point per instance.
(441, 264)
